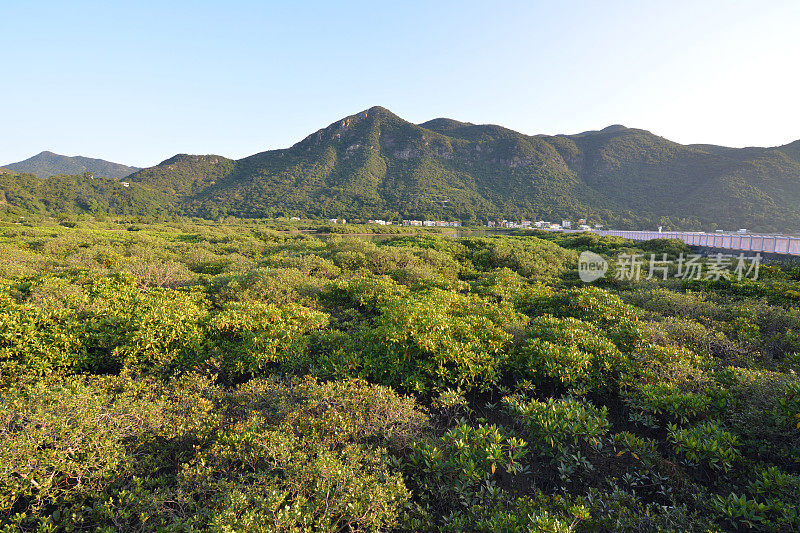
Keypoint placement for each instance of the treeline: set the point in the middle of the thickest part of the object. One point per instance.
(68, 197)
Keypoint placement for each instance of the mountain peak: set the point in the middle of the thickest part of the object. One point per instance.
(375, 112)
(352, 126)
(378, 110)
(443, 124)
(610, 130)
(614, 128)
(193, 158)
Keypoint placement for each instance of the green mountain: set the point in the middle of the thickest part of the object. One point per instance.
(184, 175)
(376, 165)
(47, 164)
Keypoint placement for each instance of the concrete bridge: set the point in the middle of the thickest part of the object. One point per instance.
(744, 242)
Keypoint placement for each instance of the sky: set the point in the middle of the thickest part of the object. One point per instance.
(137, 82)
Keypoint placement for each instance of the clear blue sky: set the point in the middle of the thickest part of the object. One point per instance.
(136, 82)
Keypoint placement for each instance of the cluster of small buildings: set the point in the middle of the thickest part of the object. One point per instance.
(380, 222)
(508, 224)
(436, 223)
(541, 224)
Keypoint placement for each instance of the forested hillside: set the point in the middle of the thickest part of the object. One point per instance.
(376, 165)
(66, 196)
(233, 377)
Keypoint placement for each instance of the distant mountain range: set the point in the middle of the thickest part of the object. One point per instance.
(376, 165)
(47, 164)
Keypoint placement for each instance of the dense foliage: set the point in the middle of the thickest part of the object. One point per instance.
(188, 376)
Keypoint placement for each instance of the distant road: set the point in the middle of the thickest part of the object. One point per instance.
(747, 242)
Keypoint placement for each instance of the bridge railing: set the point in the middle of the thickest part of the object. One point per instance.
(779, 244)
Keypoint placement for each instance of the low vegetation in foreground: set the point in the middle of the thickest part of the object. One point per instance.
(194, 376)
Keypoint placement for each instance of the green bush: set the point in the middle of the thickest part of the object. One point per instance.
(316, 463)
(671, 382)
(459, 471)
(68, 446)
(764, 409)
(572, 353)
(435, 340)
(111, 453)
(589, 303)
(431, 339)
(707, 444)
(554, 425)
(253, 337)
(532, 258)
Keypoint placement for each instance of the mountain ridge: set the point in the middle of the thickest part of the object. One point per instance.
(374, 164)
(46, 164)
